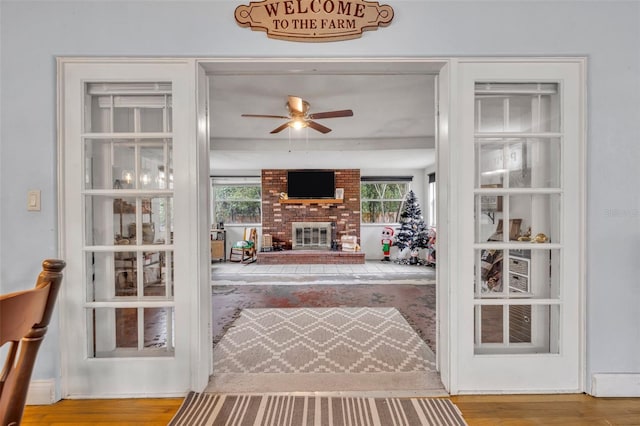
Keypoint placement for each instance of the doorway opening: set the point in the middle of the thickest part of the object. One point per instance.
(398, 144)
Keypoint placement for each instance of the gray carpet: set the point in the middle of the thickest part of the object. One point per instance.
(323, 349)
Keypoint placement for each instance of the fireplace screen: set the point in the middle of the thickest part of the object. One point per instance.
(311, 235)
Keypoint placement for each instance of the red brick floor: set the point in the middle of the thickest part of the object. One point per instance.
(417, 303)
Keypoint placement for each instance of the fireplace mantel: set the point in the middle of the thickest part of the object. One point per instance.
(310, 201)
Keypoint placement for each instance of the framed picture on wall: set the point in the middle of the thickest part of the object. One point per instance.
(339, 193)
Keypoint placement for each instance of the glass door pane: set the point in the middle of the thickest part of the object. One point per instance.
(518, 201)
(128, 219)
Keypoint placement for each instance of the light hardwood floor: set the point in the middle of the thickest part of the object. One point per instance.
(546, 410)
(563, 410)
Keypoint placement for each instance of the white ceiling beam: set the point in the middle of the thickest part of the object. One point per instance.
(232, 144)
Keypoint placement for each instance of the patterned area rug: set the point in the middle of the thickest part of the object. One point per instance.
(323, 349)
(311, 410)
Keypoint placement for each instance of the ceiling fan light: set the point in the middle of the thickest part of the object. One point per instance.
(298, 124)
(298, 117)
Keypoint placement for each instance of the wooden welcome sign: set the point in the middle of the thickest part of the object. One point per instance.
(314, 20)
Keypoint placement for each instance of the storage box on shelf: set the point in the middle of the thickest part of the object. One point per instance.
(218, 239)
(519, 268)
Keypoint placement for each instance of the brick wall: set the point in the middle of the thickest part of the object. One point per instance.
(277, 217)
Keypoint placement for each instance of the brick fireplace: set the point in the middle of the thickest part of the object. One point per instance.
(278, 216)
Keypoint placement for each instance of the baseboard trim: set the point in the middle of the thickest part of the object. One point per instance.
(615, 385)
(41, 392)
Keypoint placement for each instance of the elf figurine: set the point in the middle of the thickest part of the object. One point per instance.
(387, 242)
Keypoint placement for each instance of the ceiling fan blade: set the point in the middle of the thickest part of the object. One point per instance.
(318, 127)
(280, 128)
(331, 114)
(296, 104)
(265, 116)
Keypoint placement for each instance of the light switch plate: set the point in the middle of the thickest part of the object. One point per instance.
(33, 200)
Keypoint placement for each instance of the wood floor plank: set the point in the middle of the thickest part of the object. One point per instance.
(97, 412)
(478, 410)
(574, 409)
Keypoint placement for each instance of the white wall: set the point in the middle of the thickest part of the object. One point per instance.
(33, 33)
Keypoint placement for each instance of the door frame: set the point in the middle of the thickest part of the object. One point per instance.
(448, 185)
(433, 66)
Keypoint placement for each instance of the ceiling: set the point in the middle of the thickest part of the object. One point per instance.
(393, 123)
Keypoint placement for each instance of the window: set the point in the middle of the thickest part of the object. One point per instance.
(432, 199)
(381, 198)
(237, 200)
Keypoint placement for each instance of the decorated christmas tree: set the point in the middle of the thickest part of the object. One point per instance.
(413, 232)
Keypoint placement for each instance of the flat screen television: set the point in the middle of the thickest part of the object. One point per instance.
(311, 184)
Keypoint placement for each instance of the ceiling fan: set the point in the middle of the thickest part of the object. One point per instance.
(299, 116)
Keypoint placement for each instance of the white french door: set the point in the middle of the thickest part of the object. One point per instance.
(128, 207)
(134, 226)
(518, 231)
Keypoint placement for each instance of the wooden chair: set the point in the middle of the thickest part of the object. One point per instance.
(245, 250)
(24, 317)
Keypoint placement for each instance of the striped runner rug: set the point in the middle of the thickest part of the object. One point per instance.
(313, 410)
